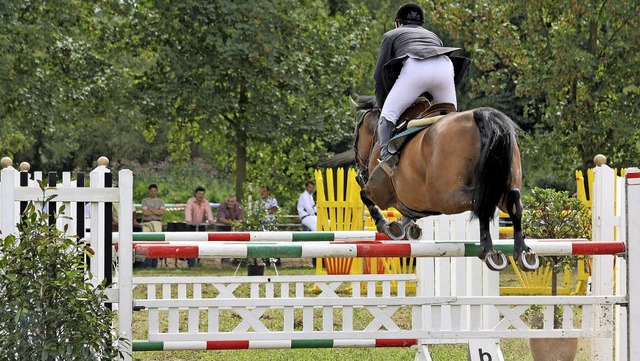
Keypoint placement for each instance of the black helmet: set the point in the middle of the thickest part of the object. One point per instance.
(411, 13)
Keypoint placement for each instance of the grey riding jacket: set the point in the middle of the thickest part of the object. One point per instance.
(408, 41)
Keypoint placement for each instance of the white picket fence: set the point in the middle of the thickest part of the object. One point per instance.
(457, 298)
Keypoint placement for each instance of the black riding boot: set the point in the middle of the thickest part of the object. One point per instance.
(385, 128)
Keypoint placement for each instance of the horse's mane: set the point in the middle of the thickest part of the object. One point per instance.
(366, 102)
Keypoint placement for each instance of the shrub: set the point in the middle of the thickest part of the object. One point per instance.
(254, 220)
(554, 214)
(50, 312)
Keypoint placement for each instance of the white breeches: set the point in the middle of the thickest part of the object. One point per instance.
(433, 75)
(310, 222)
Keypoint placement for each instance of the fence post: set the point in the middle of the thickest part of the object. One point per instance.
(98, 221)
(633, 258)
(125, 260)
(603, 229)
(7, 196)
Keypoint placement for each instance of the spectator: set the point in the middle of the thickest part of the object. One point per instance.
(197, 214)
(307, 208)
(269, 203)
(152, 213)
(229, 212)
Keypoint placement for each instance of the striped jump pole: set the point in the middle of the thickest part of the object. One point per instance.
(281, 236)
(364, 249)
(270, 344)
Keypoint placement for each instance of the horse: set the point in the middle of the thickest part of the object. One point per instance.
(465, 161)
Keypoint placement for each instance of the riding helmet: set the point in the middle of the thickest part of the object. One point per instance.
(410, 12)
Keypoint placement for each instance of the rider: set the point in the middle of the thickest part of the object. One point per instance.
(412, 61)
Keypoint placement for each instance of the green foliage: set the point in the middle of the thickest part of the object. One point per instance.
(567, 66)
(264, 96)
(554, 214)
(259, 88)
(178, 181)
(254, 219)
(49, 312)
(61, 78)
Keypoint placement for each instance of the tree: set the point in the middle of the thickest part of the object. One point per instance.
(230, 84)
(569, 62)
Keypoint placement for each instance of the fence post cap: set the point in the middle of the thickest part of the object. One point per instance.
(600, 160)
(103, 161)
(6, 162)
(25, 166)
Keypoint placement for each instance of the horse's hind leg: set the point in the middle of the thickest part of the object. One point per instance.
(525, 258)
(411, 229)
(495, 260)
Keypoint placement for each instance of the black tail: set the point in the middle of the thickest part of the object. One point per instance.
(493, 172)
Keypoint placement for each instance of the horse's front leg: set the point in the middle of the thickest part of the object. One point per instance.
(525, 258)
(495, 260)
(374, 211)
(391, 229)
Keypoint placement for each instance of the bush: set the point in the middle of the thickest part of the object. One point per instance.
(254, 219)
(50, 312)
(554, 214)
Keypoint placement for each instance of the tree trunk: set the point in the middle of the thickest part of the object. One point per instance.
(241, 147)
(241, 167)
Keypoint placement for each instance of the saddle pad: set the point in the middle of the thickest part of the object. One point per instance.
(413, 127)
(398, 140)
(423, 121)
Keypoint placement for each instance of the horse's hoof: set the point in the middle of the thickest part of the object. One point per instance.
(528, 261)
(413, 231)
(496, 260)
(394, 230)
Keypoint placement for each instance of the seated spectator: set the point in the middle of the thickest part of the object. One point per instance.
(152, 212)
(229, 212)
(197, 214)
(269, 203)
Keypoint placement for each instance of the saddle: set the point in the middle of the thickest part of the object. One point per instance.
(419, 116)
(408, 128)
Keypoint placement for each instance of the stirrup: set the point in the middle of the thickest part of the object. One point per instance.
(383, 170)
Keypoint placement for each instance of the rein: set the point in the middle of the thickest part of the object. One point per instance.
(358, 158)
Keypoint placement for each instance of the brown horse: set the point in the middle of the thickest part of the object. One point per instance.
(465, 161)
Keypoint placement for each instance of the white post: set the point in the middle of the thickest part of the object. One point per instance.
(633, 261)
(467, 276)
(125, 260)
(620, 315)
(97, 221)
(479, 275)
(7, 196)
(603, 229)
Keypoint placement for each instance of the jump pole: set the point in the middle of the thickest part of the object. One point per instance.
(362, 249)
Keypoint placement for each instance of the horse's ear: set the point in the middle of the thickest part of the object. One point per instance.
(354, 105)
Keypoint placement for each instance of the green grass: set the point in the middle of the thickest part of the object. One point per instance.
(513, 349)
